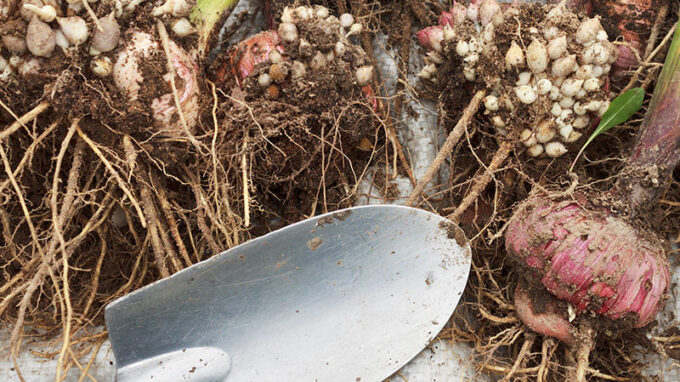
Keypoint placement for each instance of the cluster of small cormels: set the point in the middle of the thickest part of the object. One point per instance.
(290, 54)
(38, 27)
(557, 74)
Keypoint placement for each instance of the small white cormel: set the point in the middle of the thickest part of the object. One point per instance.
(101, 66)
(591, 84)
(435, 57)
(26, 13)
(567, 102)
(474, 45)
(566, 130)
(288, 15)
(346, 20)
(318, 61)
(321, 12)
(46, 13)
(275, 57)
(602, 36)
(557, 47)
(177, 8)
(566, 114)
(424, 74)
(428, 72)
(556, 109)
(462, 48)
(603, 108)
(543, 86)
(557, 11)
(537, 56)
(491, 103)
(551, 32)
(573, 137)
(106, 39)
(305, 48)
(593, 105)
(355, 29)
(562, 67)
(472, 58)
(29, 66)
(40, 38)
(555, 93)
(60, 39)
(555, 149)
(545, 131)
(498, 122)
(587, 31)
(288, 32)
(303, 13)
(489, 33)
(15, 44)
(74, 29)
(340, 48)
(436, 38)
(264, 80)
(579, 109)
(528, 138)
(449, 33)
(523, 78)
(581, 122)
(535, 150)
(364, 75)
(597, 54)
(570, 87)
(14, 61)
(514, 56)
(182, 27)
(298, 69)
(487, 10)
(597, 71)
(526, 94)
(584, 72)
(469, 73)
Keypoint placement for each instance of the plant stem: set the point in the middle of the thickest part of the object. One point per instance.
(657, 150)
(206, 15)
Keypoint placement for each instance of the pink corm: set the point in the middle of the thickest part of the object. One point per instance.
(593, 260)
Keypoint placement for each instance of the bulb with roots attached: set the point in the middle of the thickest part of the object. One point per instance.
(591, 259)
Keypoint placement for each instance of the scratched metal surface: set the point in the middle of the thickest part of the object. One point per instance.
(340, 297)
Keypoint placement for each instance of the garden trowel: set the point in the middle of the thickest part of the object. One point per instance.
(346, 296)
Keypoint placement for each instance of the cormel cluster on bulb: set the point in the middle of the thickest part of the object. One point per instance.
(278, 63)
(41, 27)
(551, 83)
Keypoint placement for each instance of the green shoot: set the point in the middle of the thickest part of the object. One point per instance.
(208, 17)
(620, 110)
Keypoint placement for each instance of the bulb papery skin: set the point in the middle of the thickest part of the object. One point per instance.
(431, 37)
(256, 50)
(596, 261)
(128, 77)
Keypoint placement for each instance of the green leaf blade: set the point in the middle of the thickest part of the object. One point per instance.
(620, 110)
